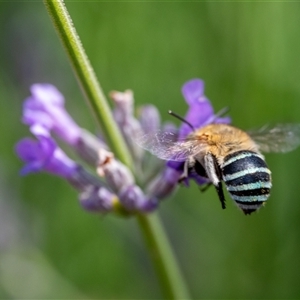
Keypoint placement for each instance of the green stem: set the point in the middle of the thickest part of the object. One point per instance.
(87, 79)
(162, 255)
(165, 264)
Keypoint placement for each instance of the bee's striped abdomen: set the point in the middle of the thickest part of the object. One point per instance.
(247, 178)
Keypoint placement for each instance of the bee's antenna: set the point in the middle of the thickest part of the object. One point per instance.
(181, 119)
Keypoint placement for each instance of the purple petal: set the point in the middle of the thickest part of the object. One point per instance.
(44, 155)
(200, 108)
(46, 107)
(193, 91)
(198, 179)
(47, 93)
(176, 165)
(34, 153)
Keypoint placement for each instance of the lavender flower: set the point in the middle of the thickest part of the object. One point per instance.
(45, 107)
(43, 154)
(44, 112)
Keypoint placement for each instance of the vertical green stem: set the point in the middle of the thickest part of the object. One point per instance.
(162, 255)
(87, 79)
(167, 270)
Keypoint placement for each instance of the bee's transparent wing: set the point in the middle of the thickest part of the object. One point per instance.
(279, 138)
(165, 145)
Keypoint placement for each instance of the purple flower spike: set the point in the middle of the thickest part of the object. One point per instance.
(46, 107)
(44, 155)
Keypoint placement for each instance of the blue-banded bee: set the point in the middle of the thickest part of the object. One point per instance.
(221, 152)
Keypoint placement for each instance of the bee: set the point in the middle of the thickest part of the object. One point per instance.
(224, 153)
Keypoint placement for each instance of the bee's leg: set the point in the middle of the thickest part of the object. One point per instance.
(201, 172)
(185, 173)
(205, 187)
(221, 194)
(188, 164)
(214, 174)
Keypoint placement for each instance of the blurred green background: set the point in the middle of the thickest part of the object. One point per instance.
(248, 55)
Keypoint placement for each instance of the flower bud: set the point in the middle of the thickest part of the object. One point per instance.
(123, 105)
(149, 118)
(163, 184)
(116, 174)
(88, 145)
(97, 199)
(128, 124)
(149, 205)
(132, 197)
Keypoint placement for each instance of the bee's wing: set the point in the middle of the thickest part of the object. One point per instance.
(280, 138)
(165, 145)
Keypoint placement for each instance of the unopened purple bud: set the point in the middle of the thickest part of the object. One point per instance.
(87, 147)
(149, 205)
(163, 184)
(128, 124)
(123, 105)
(149, 118)
(116, 174)
(97, 199)
(132, 197)
(131, 130)
(81, 179)
(46, 107)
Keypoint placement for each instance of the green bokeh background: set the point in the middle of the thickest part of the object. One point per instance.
(248, 55)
